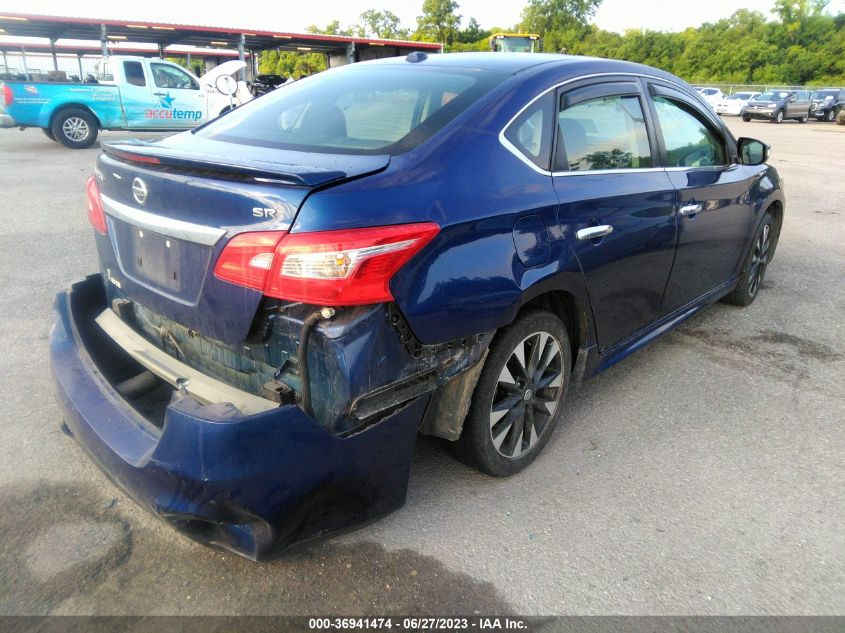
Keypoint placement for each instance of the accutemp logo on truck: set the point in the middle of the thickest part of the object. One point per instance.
(167, 111)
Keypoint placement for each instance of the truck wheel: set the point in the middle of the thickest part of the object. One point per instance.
(518, 400)
(75, 128)
(830, 115)
(48, 133)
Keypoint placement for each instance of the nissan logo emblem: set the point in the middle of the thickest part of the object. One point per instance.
(139, 191)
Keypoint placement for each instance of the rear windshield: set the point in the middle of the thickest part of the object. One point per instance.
(356, 109)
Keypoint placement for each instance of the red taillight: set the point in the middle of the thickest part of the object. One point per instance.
(333, 268)
(95, 206)
(8, 97)
(247, 258)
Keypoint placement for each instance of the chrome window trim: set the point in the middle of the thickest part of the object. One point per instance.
(179, 229)
(546, 172)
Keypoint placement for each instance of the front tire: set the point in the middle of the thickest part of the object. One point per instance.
(75, 128)
(49, 134)
(517, 402)
(778, 117)
(754, 267)
(747, 119)
(830, 115)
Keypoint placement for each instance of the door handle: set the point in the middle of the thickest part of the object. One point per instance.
(690, 209)
(593, 232)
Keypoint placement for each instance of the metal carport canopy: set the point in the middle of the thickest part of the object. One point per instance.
(163, 34)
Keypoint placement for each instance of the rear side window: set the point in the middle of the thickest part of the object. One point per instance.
(369, 109)
(688, 139)
(605, 133)
(134, 73)
(531, 132)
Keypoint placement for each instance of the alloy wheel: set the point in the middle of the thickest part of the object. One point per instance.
(759, 261)
(76, 129)
(527, 394)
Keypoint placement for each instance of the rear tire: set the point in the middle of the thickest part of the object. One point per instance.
(803, 119)
(517, 402)
(75, 128)
(754, 267)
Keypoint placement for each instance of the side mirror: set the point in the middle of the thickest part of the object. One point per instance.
(792, 99)
(752, 151)
(226, 84)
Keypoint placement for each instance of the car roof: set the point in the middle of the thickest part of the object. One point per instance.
(513, 63)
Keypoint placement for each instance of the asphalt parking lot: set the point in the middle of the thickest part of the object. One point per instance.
(703, 475)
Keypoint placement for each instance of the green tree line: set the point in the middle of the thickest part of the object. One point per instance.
(799, 43)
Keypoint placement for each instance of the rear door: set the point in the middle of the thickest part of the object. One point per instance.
(178, 101)
(712, 193)
(616, 205)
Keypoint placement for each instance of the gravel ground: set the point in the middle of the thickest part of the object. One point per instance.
(702, 475)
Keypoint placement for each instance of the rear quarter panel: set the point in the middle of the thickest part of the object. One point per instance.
(35, 103)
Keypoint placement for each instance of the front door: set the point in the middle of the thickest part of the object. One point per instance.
(712, 196)
(178, 100)
(800, 107)
(616, 206)
(135, 94)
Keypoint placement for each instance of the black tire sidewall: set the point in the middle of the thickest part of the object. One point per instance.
(58, 132)
(475, 446)
(741, 295)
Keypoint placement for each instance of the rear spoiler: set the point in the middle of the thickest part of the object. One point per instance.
(296, 175)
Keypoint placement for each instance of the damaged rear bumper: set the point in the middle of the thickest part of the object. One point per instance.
(252, 483)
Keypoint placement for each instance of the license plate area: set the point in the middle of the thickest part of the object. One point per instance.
(155, 258)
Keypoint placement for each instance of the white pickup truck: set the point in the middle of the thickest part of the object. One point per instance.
(131, 93)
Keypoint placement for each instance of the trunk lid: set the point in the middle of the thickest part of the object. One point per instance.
(173, 204)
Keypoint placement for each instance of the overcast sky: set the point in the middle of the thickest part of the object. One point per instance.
(616, 15)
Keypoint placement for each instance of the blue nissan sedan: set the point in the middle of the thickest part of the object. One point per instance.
(438, 244)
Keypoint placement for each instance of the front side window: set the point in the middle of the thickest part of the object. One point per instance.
(166, 76)
(531, 131)
(605, 133)
(366, 109)
(689, 141)
(134, 73)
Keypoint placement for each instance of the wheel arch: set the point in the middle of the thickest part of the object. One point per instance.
(77, 106)
(567, 308)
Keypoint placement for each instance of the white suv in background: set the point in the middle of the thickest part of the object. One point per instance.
(711, 95)
(733, 104)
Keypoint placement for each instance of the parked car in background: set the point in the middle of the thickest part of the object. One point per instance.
(128, 93)
(441, 244)
(779, 105)
(828, 103)
(711, 95)
(733, 104)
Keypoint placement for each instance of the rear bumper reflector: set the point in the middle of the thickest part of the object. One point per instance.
(204, 388)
